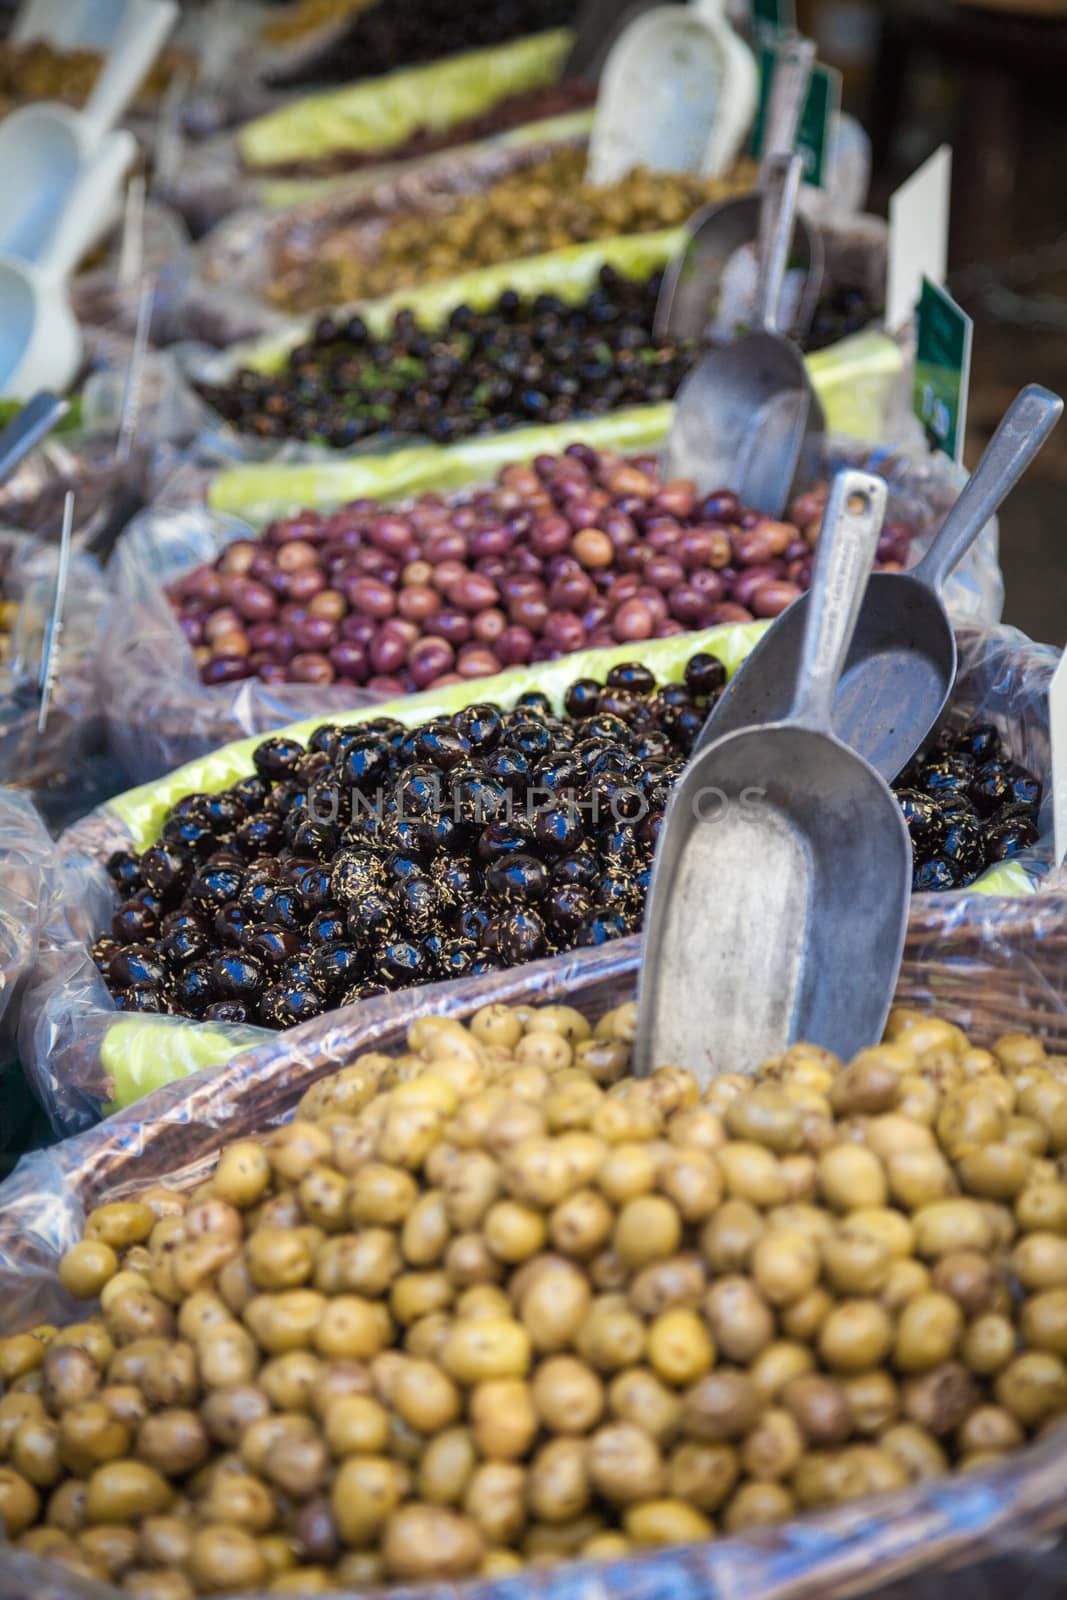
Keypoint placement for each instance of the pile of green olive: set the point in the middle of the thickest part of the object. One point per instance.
(494, 1301)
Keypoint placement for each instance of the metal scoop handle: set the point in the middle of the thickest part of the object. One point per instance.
(778, 210)
(789, 90)
(1023, 430)
(34, 422)
(851, 524)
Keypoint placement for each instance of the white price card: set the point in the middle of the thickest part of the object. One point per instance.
(1057, 720)
(918, 236)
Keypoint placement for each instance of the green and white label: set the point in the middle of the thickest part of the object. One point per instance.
(942, 369)
(772, 18)
(816, 119)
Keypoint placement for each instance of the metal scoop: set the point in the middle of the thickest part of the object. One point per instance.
(746, 417)
(780, 893)
(902, 665)
(25, 431)
(717, 233)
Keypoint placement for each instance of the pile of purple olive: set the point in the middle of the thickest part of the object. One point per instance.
(382, 856)
(573, 551)
(967, 806)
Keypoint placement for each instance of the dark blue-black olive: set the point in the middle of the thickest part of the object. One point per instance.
(504, 839)
(579, 867)
(442, 747)
(936, 873)
(365, 764)
(272, 946)
(401, 864)
(418, 905)
(231, 923)
(964, 845)
(194, 988)
(557, 774)
(599, 927)
(139, 997)
(510, 768)
(226, 1011)
(289, 795)
(328, 927)
(478, 801)
(318, 839)
(436, 833)
(470, 923)
(372, 919)
(222, 811)
(401, 963)
(559, 829)
(164, 870)
(250, 792)
(297, 971)
(125, 870)
(132, 965)
(582, 698)
(927, 822)
(102, 950)
(324, 738)
(520, 936)
(313, 889)
(259, 835)
(277, 758)
(458, 880)
(990, 788)
(1006, 839)
(534, 700)
(354, 873)
(980, 740)
(1025, 788)
(237, 975)
(188, 834)
(529, 738)
(516, 877)
(134, 922)
(618, 891)
(365, 989)
(456, 957)
(704, 674)
(335, 967)
(675, 695)
(479, 727)
(214, 887)
(621, 703)
(635, 676)
(618, 848)
(285, 1005)
(419, 792)
(566, 907)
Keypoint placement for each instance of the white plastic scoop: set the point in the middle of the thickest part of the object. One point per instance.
(40, 342)
(677, 94)
(44, 147)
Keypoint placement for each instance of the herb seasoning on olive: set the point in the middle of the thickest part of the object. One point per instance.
(383, 856)
(492, 1301)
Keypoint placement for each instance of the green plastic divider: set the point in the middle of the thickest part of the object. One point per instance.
(378, 113)
(279, 194)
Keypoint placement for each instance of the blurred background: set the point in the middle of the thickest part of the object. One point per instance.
(989, 79)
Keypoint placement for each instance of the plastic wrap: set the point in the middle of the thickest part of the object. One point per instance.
(25, 853)
(83, 1059)
(103, 298)
(910, 1543)
(62, 768)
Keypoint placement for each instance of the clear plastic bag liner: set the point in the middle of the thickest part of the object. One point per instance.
(82, 1061)
(104, 298)
(378, 114)
(61, 768)
(914, 1538)
(25, 851)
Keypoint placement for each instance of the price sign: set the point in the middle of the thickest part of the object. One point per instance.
(918, 236)
(816, 119)
(942, 369)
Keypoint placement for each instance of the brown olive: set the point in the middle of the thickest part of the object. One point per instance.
(740, 1319)
(423, 1540)
(721, 1407)
(624, 1464)
(820, 1407)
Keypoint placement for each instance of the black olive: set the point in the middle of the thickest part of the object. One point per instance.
(101, 950)
(222, 811)
(194, 988)
(401, 963)
(354, 873)
(328, 927)
(188, 834)
(366, 989)
(226, 1011)
(139, 997)
(213, 887)
(531, 739)
(963, 845)
(580, 867)
(286, 1004)
(364, 764)
(534, 700)
(372, 919)
(436, 833)
(443, 747)
(455, 958)
(419, 792)
(634, 675)
(277, 758)
(401, 864)
(134, 922)
(231, 923)
(516, 877)
(479, 801)
(618, 848)
(1006, 839)
(559, 829)
(323, 740)
(704, 674)
(237, 975)
(259, 835)
(418, 905)
(318, 839)
(272, 946)
(990, 788)
(927, 822)
(504, 838)
(125, 870)
(937, 873)
(566, 907)
(164, 870)
(470, 923)
(582, 698)
(250, 792)
(510, 768)
(617, 891)
(520, 936)
(335, 968)
(1025, 788)
(313, 889)
(600, 926)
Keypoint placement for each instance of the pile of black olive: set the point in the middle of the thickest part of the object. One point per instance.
(842, 310)
(518, 362)
(383, 856)
(405, 33)
(967, 806)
